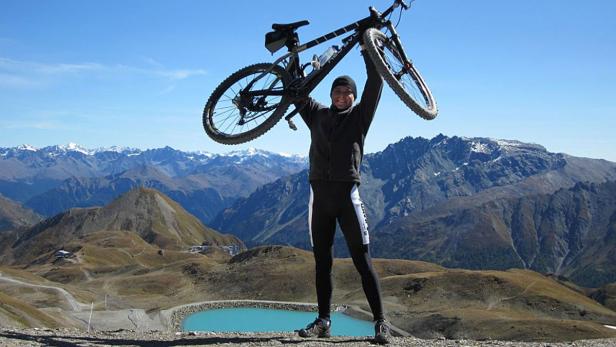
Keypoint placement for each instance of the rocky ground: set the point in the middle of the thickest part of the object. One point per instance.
(68, 337)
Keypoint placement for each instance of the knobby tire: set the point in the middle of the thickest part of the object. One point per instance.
(213, 127)
(426, 108)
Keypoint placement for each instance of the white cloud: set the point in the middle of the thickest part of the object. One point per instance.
(181, 74)
(28, 74)
(168, 74)
(16, 66)
(153, 62)
(69, 68)
(178, 74)
(167, 90)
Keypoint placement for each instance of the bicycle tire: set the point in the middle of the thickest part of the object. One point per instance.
(413, 92)
(213, 127)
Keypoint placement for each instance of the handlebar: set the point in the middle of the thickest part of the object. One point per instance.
(393, 7)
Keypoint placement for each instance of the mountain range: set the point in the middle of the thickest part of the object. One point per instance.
(53, 179)
(475, 203)
(462, 202)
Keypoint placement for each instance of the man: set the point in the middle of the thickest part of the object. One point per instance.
(336, 151)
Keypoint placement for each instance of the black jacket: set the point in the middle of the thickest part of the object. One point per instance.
(337, 137)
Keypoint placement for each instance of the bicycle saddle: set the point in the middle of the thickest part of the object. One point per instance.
(290, 26)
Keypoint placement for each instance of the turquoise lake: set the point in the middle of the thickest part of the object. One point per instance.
(269, 320)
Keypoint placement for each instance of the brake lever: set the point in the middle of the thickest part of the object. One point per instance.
(292, 125)
(291, 115)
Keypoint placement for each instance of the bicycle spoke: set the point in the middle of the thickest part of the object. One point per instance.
(229, 124)
(396, 66)
(229, 115)
(228, 107)
(226, 116)
(233, 90)
(267, 81)
(228, 98)
(257, 115)
(224, 121)
(234, 126)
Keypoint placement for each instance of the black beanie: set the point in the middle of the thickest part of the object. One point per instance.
(344, 81)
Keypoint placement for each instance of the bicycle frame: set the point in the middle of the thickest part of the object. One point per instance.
(304, 85)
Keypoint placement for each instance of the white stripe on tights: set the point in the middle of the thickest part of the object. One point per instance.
(361, 214)
(310, 202)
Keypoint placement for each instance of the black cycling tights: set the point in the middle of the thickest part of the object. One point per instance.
(339, 201)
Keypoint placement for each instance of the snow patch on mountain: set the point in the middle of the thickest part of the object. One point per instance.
(479, 147)
(508, 143)
(203, 154)
(198, 156)
(118, 149)
(250, 152)
(26, 147)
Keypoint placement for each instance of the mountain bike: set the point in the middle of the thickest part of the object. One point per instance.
(250, 101)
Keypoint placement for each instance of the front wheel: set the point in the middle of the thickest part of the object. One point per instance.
(401, 76)
(246, 104)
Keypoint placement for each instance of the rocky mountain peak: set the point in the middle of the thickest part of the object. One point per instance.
(460, 148)
(143, 200)
(70, 147)
(152, 215)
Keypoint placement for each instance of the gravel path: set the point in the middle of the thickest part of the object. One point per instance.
(74, 304)
(67, 337)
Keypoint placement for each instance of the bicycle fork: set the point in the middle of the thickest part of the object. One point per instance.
(395, 38)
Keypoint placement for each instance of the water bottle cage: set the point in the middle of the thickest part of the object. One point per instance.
(327, 55)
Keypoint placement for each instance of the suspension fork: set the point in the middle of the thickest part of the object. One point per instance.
(395, 38)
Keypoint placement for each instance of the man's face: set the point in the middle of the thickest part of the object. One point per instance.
(342, 97)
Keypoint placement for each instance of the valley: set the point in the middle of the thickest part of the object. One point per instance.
(472, 238)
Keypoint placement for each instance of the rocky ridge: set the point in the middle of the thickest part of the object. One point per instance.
(570, 233)
(13, 216)
(53, 179)
(462, 202)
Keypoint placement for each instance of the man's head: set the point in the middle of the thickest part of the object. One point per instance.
(343, 92)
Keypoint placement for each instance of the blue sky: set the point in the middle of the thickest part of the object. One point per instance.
(137, 73)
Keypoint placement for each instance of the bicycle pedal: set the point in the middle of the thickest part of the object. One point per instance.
(292, 125)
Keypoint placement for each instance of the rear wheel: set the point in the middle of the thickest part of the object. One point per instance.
(232, 115)
(401, 76)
